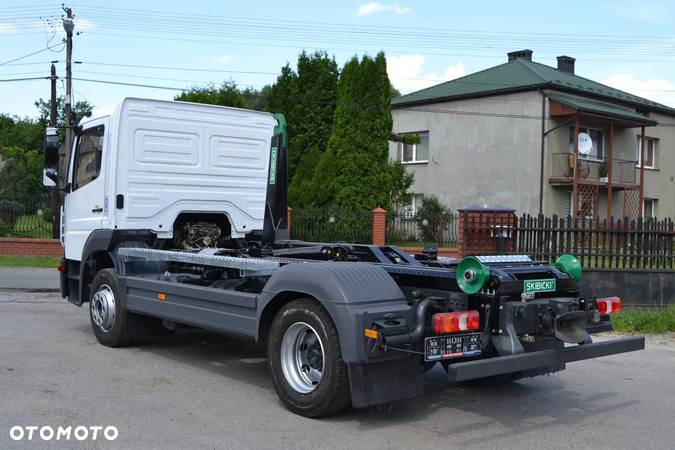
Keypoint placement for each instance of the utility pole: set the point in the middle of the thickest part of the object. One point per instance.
(68, 26)
(53, 113)
(55, 196)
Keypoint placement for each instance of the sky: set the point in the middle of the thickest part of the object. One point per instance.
(175, 44)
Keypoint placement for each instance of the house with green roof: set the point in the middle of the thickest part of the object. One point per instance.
(539, 139)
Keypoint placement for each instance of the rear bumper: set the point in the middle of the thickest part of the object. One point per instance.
(543, 358)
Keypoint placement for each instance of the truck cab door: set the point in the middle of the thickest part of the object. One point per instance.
(84, 206)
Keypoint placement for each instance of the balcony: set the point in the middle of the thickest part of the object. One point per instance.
(590, 171)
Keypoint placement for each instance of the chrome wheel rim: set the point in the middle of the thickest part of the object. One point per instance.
(103, 308)
(302, 357)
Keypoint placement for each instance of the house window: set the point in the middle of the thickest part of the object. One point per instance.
(88, 156)
(650, 151)
(415, 153)
(649, 208)
(414, 205)
(598, 139)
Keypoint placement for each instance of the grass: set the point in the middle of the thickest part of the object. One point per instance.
(32, 226)
(29, 261)
(645, 320)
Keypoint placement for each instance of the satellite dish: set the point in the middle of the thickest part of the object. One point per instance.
(585, 144)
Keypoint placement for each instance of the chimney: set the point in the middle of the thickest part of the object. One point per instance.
(524, 54)
(566, 64)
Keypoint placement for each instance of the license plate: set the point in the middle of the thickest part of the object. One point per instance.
(445, 347)
(531, 286)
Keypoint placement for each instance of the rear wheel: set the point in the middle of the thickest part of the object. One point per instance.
(305, 360)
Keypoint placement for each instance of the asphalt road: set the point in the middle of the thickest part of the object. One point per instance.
(29, 279)
(199, 390)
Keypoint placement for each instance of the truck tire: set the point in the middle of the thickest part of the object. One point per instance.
(107, 310)
(305, 360)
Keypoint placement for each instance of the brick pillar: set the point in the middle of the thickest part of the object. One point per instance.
(379, 226)
(289, 216)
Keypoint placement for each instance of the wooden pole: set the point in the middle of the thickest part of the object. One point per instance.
(54, 194)
(610, 164)
(575, 176)
(642, 171)
(52, 105)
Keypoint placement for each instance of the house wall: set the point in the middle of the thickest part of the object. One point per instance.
(659, 182)
(476, 158)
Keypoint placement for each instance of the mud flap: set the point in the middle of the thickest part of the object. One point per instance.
(384, 382)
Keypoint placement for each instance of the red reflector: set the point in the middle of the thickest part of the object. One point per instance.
(61, 268)
(455, 322)
(608, 305)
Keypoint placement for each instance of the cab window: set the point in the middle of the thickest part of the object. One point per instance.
(88, 156)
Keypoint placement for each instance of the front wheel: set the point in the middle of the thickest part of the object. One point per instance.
(305, 360)
(107, 310)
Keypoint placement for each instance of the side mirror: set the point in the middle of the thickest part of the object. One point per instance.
(51, 148)
(49, 178)
(51, 158)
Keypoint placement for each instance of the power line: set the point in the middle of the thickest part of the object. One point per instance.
(23, 79)
(120, 83)
(29, 54)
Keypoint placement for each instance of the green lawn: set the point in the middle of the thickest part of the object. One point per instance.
(29, 261)
(645, 320)
(34, 226)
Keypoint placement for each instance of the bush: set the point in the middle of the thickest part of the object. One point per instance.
(432, 218)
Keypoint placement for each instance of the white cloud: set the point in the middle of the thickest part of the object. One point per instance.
(656, 89)
(225, 57)
(376, 7)
(83, 24)
(7, 27)
(406, 74)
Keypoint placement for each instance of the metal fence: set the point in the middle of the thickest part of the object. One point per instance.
(333, 225)
(623, 244)
(29, 217)
(410, 229)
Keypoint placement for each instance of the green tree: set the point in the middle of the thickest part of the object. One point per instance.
(21, 173)
(81, 108)
(355, 171)
(24, 133)
(226, 94)
(311, 118)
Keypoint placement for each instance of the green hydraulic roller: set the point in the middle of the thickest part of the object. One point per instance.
(570, 265)
(471, 275)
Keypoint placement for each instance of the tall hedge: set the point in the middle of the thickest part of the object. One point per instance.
(355, 171)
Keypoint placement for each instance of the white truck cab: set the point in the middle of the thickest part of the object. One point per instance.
(170, 174)
(142, 163)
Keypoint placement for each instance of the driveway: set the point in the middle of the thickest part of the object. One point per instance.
(199, 390)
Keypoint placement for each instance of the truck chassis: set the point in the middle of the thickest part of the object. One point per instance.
(352, 324)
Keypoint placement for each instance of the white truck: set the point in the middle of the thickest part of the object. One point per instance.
(175, 214)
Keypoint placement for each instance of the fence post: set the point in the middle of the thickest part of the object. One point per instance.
(289, 216)
(460, 234)
(379, 235)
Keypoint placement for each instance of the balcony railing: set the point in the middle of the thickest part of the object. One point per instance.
(590, 170)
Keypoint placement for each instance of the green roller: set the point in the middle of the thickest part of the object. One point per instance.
(471, 275)
(570, 265)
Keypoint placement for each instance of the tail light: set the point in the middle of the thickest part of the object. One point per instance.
(455, 322)
(608, 305)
